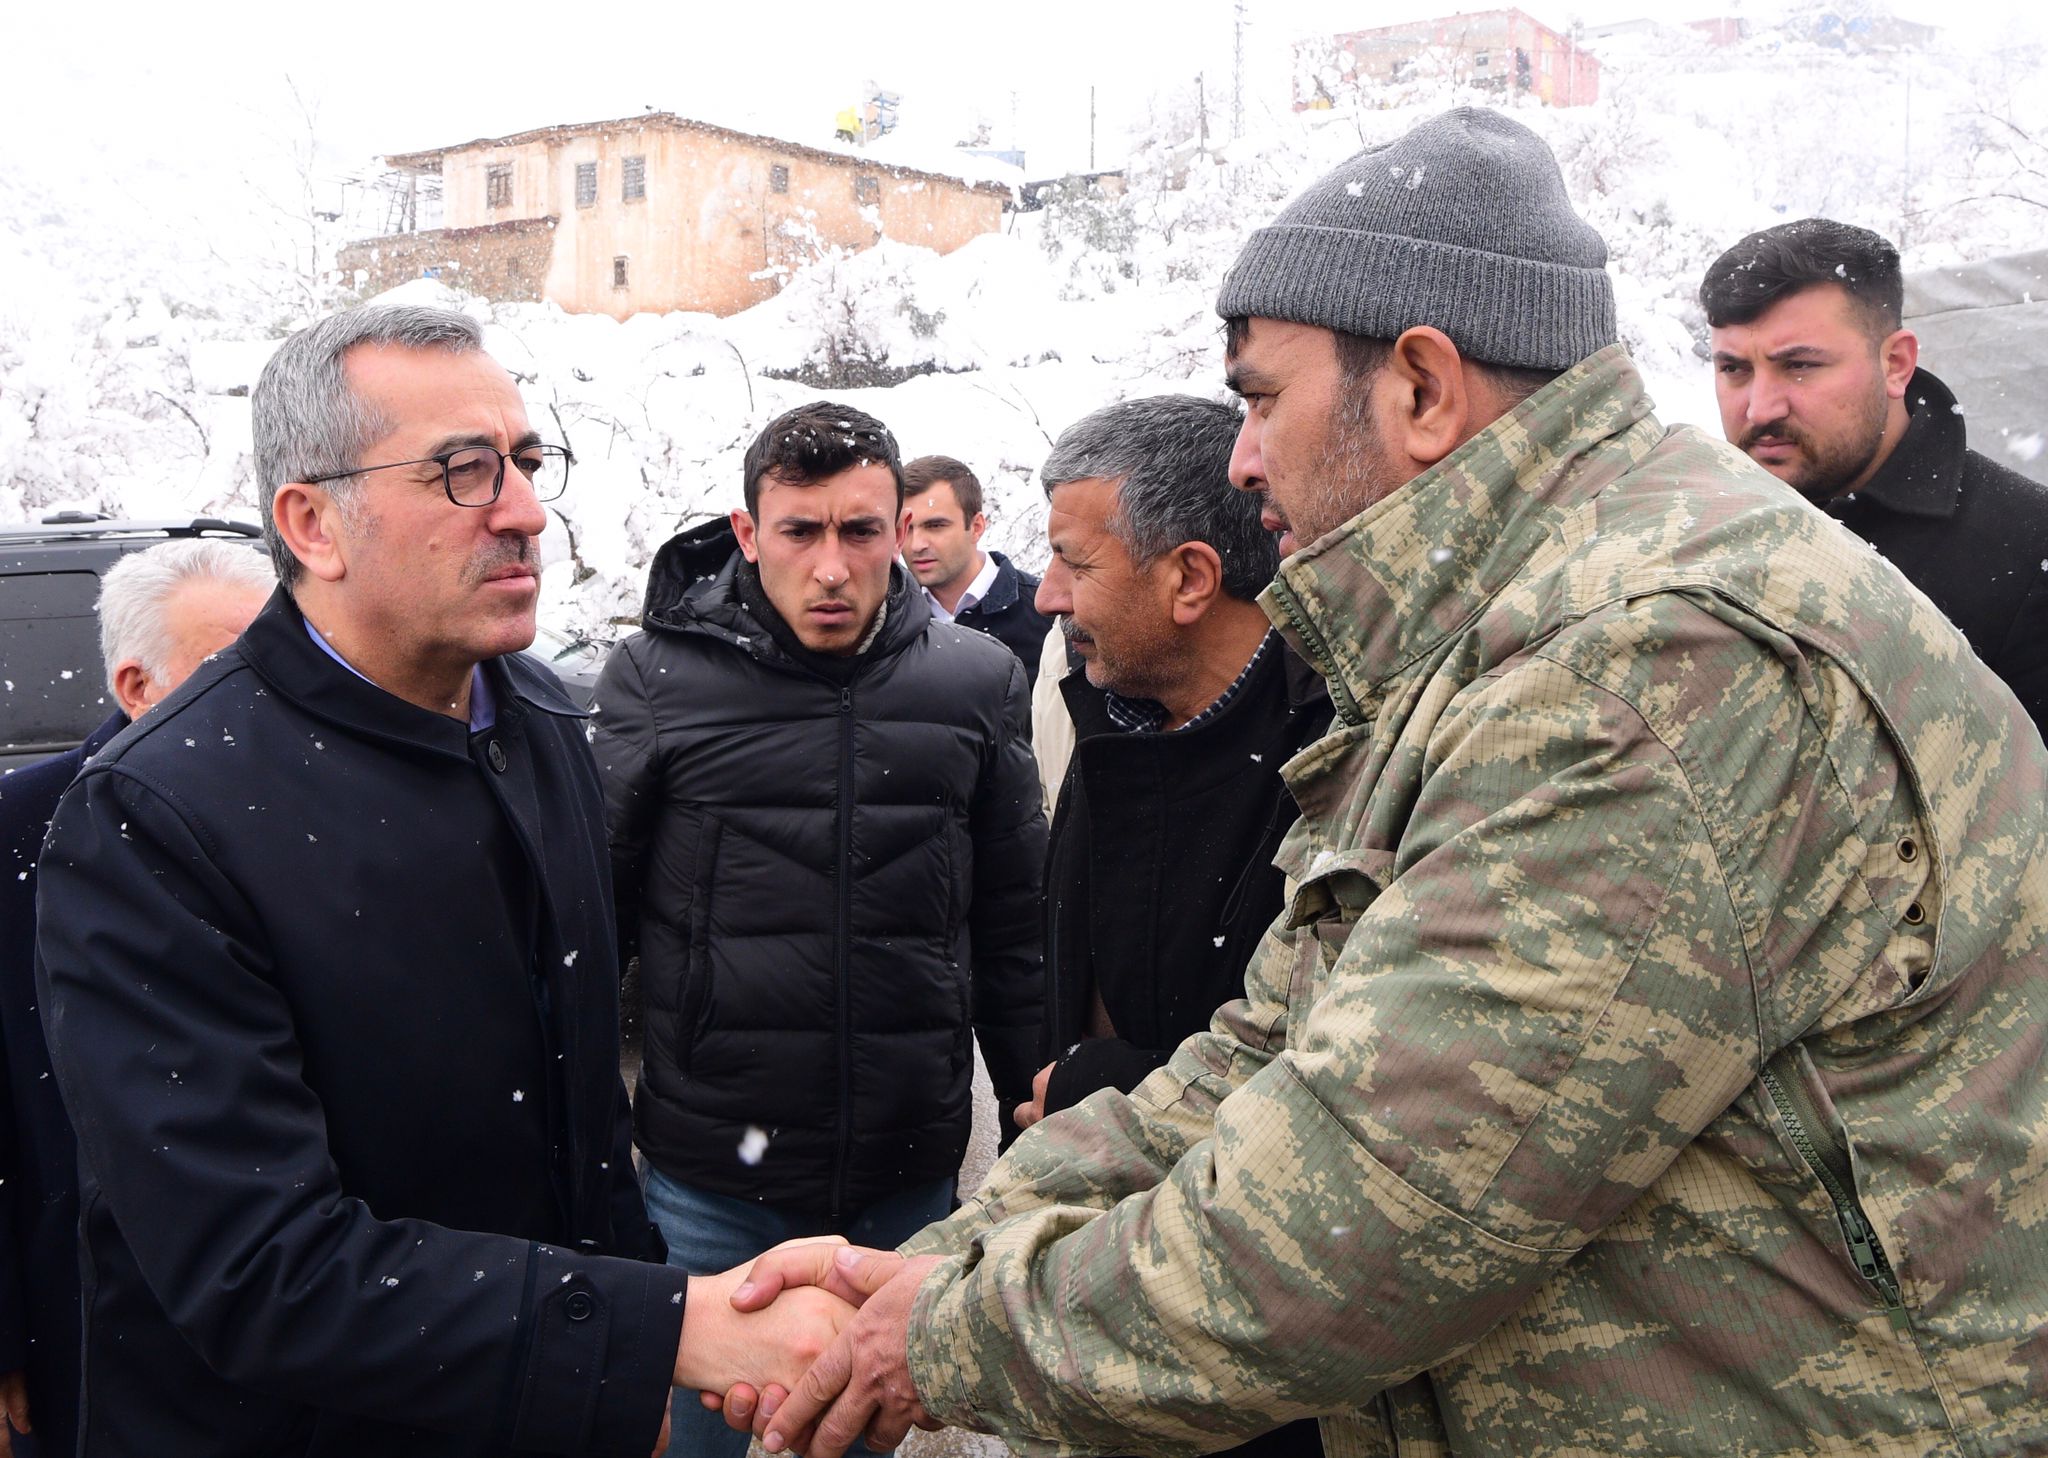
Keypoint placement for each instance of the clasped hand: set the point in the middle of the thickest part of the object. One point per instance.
(860, 1383)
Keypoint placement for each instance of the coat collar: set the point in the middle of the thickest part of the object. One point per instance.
(1002, 589)
(1923, 476)
(1394, 582)
(278, 647)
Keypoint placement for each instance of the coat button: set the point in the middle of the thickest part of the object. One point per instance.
(496, 754)
(579, 1306)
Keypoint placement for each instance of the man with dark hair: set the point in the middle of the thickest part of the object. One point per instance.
(1648, 1056)
(1821, 386)
(963, 584)
(826, 842)
(324, 942)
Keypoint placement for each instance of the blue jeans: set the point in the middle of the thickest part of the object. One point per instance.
(709, 1233)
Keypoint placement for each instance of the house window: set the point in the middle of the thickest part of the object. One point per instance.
(636, 179)
(1479, 61)
(586, 184)
(619, 272)
(778, 178)
(867, 189)
(498, 186)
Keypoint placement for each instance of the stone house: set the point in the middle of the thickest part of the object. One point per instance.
(655, 213)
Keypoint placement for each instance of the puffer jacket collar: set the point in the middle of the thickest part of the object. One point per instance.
(1390, 585)
(693, 586)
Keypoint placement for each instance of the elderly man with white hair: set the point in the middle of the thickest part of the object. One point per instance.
(162, 612)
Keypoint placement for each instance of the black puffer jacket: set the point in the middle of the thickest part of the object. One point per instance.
(809, 854)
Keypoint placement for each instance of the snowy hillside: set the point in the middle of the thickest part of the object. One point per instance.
(124, 357)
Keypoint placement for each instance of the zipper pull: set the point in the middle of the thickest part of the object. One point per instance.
(846, 700)
(1862, 1247)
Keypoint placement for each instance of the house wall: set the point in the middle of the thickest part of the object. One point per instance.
(500, 261)
(710, 234)
(1559, 73)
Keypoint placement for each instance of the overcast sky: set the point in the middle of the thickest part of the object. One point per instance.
(147, 97)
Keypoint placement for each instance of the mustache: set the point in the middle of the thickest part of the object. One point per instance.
(1073, 634)
(501, 552)
(1780, 429)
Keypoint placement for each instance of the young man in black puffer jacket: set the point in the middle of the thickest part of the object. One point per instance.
(827, 845)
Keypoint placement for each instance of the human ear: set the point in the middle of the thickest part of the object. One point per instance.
(1434, 409)
(1900, 355)
(131, 687)
(743, 528)
(1198, 574)
(309, 520)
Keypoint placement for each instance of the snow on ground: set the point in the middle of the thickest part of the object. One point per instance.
(126, 349)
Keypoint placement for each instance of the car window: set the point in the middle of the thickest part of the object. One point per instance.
(52, 685)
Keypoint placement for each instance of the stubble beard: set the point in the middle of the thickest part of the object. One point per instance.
(1355, 473)
(1829, 465)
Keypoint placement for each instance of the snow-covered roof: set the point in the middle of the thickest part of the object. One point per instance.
(974, 173)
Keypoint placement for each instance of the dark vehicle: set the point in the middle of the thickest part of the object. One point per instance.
(53, 686)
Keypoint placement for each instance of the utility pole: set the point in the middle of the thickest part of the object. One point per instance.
(1202, 107)
(1091, 129)
(1237, 75)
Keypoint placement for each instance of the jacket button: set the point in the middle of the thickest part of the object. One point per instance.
(495, 753)
(579, 1306)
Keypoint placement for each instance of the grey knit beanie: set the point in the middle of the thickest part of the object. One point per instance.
(1462, 224)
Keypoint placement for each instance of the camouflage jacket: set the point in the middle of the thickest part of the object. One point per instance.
(1650, 1057)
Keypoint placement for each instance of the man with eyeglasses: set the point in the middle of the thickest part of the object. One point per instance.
(326, 961)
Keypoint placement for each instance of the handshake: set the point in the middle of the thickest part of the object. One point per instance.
(806, 1346)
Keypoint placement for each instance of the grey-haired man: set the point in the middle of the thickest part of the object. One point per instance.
(325, 947)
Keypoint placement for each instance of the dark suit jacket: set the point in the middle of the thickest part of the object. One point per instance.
(1969, 533)
(1008, 616)
(38, 1156)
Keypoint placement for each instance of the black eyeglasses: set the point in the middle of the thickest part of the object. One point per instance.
(475, 475)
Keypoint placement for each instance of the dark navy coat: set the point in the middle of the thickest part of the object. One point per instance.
(328, 982)
(38, 1157)
(1008, 615)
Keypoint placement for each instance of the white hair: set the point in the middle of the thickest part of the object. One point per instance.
(136, 589)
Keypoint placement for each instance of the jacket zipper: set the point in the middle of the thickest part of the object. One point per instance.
(1320, 656)
(1830, 1164)
(842, 954)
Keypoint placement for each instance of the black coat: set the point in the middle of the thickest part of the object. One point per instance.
(329, 985)
(811, 853)
(1969, 533)
(1008, 615)
(38, 1156)
(1160, 878)
(1160, 883)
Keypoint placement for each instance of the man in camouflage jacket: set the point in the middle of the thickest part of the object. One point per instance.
(1650, 1056)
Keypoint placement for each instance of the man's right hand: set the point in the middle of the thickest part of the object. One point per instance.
(724, 1345)
(1030, 1112)
(14, 1405)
